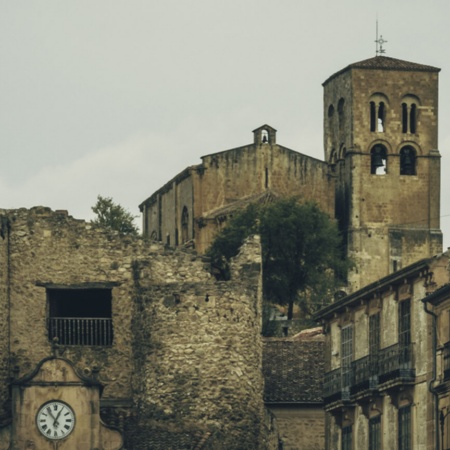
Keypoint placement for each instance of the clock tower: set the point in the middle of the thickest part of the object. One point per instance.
(380, 139)
(55, 407)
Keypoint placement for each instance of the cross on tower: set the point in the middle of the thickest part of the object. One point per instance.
(380, 50)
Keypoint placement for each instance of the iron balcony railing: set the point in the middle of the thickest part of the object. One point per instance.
(336, 385)
(365, 374)
(89, 331)
(394, 363)
(446, 354)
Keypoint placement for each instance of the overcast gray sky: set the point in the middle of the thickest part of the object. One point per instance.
(115, 97)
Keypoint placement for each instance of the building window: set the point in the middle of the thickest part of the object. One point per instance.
(375, 433)
(404, 428)
(407, 161)
(347, 437)
(80, 316)
(340, 109)
(378, 160)
(184, 225)
(404, 331)
(378, 113)
(409, 114)
(346, 357)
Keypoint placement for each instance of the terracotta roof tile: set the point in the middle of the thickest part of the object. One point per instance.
(386, 63)
(293, 370)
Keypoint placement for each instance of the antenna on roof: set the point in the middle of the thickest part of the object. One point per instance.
(379, 50)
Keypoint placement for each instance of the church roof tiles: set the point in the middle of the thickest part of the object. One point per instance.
(385, 63)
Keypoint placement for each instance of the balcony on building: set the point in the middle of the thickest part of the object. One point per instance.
(392, 367)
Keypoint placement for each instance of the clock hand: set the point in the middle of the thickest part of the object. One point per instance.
(56, 423)
(50, 412)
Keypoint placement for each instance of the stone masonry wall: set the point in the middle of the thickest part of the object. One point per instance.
(199, 364)
(186, 354)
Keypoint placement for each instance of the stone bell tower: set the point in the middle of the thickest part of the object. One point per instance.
(380, 138)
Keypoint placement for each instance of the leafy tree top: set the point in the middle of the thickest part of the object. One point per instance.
(113, 216)
(301, 251)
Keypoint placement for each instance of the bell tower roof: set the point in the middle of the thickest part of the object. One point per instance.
(385, 63)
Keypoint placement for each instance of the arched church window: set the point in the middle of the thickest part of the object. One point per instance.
(330, 111)
(378, 112)
(407, 161)
(378, 160)
(184, 225)
(380, 119)
(264, 136)
(373, 116)
(412, 118)
(340, 109)
(409, 114)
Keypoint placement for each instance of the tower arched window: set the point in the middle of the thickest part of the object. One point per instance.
(409, 114)
(378, 160)
(184, 225)
(408, 161)
(378, 112)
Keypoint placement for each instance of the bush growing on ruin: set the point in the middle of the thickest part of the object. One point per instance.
(113, 216)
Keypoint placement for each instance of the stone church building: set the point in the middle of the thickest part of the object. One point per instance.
(380, 177)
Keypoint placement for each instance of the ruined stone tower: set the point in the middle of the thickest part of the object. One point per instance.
(380, 133)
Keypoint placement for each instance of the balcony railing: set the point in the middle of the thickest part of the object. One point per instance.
(365, 374)
(391, 364)
(89, 331)
(337, 385)
(396, 362)
(446, 354)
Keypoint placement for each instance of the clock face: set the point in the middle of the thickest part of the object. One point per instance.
(55, 420)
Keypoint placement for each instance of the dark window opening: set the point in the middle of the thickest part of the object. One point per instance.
(340, 109)
(330, 111)
(375, 433)
(372, 116)
(266, 179)
(407, 161)
(346, 443)
(404, 118)
(378, 160)
(374, 346)
(412, 119)
(80, 316)
(409, 117)
(346, 357)
(381, 116)
(404, 428)
(185, 225)
(404, 332)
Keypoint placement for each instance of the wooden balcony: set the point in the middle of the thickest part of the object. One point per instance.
(81, 331)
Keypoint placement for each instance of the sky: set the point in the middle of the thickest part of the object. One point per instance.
(115, 97)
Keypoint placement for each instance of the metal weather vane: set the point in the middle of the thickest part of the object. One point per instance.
(379, 41)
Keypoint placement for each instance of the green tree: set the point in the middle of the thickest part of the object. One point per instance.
(113, 216)
(301, 252)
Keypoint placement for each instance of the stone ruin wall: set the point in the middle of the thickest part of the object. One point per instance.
(202, 361)
(180, 361)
